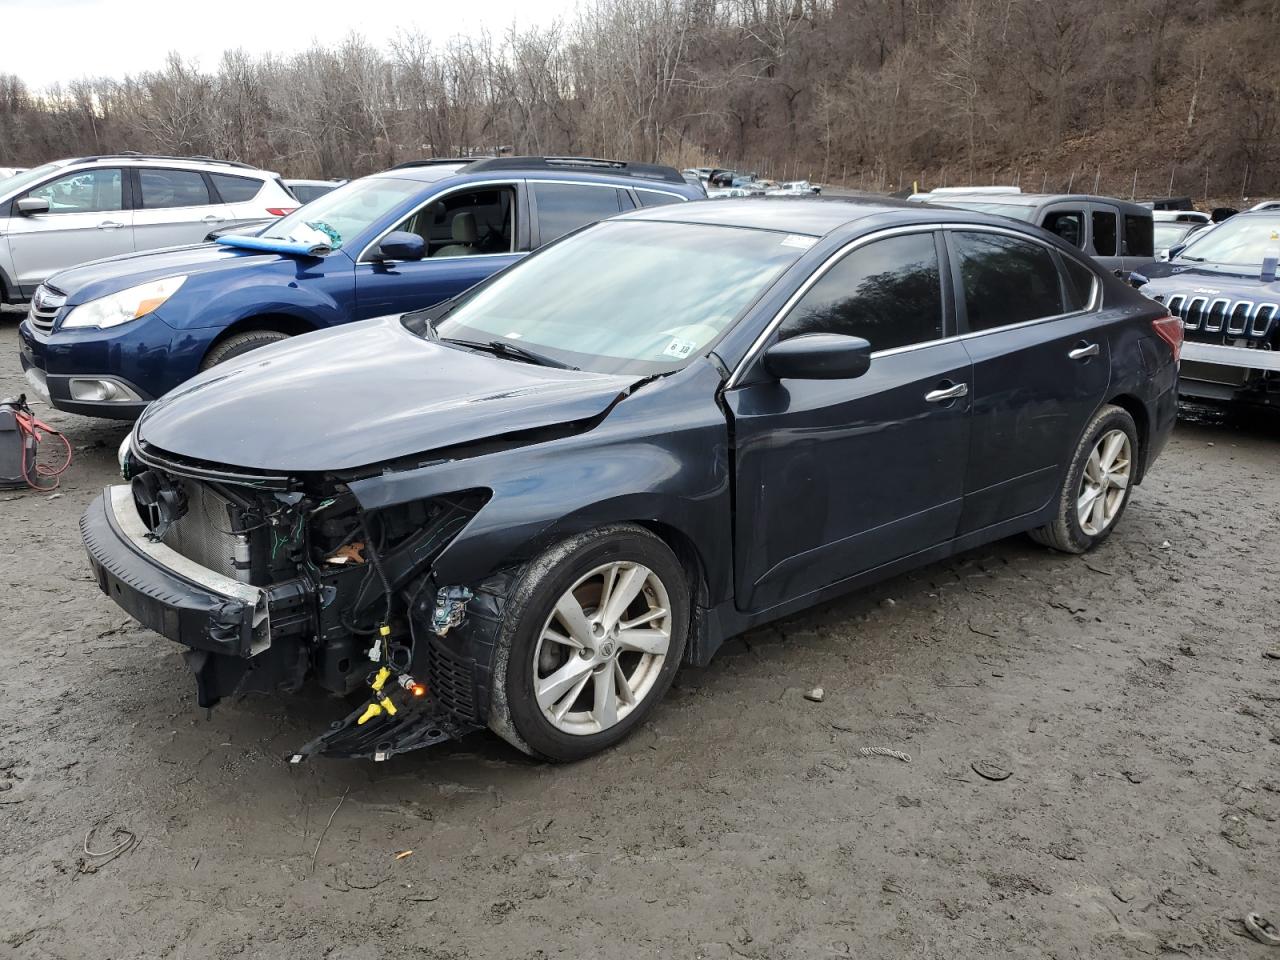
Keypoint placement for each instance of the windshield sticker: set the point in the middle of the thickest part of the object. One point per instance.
(799, 242)
(679, 348)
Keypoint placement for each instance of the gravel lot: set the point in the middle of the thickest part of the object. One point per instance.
(1126, 694)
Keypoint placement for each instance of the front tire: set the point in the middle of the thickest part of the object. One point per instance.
(1097, 486)
(592, 633)
(239, 345)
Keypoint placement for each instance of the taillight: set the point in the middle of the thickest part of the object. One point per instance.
(1169, 329)
(280, 211)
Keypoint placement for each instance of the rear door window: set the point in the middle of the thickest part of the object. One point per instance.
(1004, 279)
(1139, 236)
(1105, 232)
(888, 292)
(234, 189)
(564, 207)
(172, 188)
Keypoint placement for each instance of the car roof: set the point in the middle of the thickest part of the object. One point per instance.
(811, 216)
(1036, 199)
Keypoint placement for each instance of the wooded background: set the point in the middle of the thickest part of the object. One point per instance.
(1139, 96)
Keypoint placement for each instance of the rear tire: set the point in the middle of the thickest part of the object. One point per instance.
(564, 692)
(1097, 485)
(239, 345)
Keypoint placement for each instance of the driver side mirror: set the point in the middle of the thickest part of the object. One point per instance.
(1176, 249)
(402, 245)
(819, 356)
(30, 206)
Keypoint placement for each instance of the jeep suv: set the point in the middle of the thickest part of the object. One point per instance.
(1224, 287)
(106, 338)
(70, 211)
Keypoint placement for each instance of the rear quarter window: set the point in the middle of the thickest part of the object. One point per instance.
(234, 189)
(172, 188)
(1077, 284)
(652, 198)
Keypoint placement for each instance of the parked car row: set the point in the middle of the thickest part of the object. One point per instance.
(108, 337)
(557, 430)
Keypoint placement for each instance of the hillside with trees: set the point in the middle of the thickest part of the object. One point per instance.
(1145, 96)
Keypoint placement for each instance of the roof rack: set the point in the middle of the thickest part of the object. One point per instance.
(431, 161)
(643, 171)
(135, 155)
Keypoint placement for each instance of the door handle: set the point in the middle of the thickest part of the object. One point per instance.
(210, 218)
(942, 394)
(109, 225)
(1084, 351)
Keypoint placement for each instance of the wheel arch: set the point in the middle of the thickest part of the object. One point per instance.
(1134, 406)
(287, 323)
(660, 523)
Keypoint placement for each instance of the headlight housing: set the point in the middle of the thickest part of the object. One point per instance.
(117, 308)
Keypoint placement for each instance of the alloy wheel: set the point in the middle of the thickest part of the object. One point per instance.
(602, 648)
(1106, 478)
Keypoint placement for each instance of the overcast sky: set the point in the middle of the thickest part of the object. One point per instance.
(52, 41)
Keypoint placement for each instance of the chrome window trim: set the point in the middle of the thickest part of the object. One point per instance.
(1093, 304)
(478, 184)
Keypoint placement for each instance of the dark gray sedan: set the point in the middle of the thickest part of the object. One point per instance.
(526, 507)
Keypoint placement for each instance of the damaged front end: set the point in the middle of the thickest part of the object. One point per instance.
(273, 581)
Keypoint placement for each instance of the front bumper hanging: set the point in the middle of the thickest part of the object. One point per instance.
(227, 627)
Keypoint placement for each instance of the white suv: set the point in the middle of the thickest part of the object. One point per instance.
(70, 211)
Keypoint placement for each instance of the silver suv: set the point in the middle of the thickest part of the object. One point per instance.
(69, 211)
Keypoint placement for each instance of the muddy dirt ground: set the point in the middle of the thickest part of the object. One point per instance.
(1126, 694)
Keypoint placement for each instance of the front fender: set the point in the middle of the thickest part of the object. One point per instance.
(660, 456)
(318, 292)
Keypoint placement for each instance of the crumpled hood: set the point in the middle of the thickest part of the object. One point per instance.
(99, 278)
(361, 394)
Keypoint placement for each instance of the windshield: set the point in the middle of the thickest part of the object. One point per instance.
(20, 181)
(1241, 241)
(1167, 234)
(345, 213)
(1015, 211)
(628, 296)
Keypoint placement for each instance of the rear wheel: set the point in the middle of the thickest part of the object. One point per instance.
(592, 635)
(1097, 486)
(240, 344)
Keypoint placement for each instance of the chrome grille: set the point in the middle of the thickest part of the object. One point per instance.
(1219, 318)
(45, 305)
(201, 534)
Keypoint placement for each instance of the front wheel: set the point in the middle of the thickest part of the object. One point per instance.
(1097, 485)
(592, 634)
(239, 345)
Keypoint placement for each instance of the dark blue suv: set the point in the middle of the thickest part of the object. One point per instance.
(106, 338)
